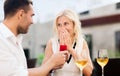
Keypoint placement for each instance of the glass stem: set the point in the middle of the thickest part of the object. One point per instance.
(102, 71)
(81, 74)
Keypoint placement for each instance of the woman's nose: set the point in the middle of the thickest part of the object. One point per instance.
(62, 27)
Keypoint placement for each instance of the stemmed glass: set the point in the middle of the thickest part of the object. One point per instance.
(81, 62)
(102, 58)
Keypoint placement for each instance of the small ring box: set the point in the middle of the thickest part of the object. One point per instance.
(63, 47)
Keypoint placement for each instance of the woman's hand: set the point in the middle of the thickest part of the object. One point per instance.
(65, 39)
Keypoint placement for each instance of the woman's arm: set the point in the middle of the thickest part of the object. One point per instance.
(87, 71)
(73, 53)
(48, 51)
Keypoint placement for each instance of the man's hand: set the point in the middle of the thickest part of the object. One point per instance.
(59, 58)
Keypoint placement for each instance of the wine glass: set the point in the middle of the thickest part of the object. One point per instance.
(81, 62)
(102, 58)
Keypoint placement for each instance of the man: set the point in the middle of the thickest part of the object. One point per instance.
(17, 19)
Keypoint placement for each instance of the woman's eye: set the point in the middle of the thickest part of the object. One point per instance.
(58, 24)
(66, 23)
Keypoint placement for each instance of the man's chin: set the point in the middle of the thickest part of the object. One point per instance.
(24, 32)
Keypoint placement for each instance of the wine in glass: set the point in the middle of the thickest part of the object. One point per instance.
(102, 59)
(81, 62)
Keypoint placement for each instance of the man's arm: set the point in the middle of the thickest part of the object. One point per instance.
(56, 60)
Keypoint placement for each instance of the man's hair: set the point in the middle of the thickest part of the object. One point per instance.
(12, 6)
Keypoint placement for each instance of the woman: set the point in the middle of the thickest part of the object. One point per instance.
(68, 31)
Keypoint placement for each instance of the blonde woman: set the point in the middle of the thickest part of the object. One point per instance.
(67, 29)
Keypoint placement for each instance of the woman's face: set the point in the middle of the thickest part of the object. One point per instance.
(65, 24)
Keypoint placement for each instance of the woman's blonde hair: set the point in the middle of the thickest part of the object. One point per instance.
(73, 17)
